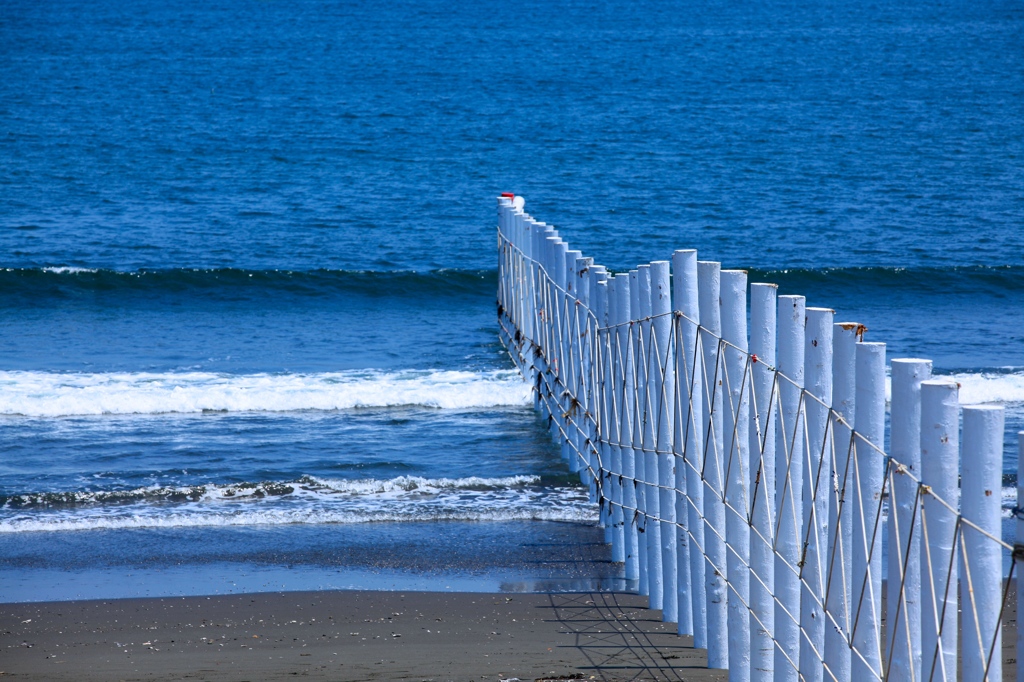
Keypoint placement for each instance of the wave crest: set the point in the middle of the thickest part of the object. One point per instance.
(46, 394)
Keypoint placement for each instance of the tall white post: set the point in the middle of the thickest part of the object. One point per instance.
(585, 293)
(735, 388)
(940, 452)
(613, 406)
(504, 205)
(639, 461)
(543, 321)
(664, 399)
(981, 565)
(817, 482)
(1019, 559)
(709, 293)
(789, 482)
(689, 422)
(652, 499)
(839, 584)
(684, 607)
(867, 473)
(627, 359)
(526, 227)
(583, 396)
(574, 318)
(600, 435)
(903, 604)
(558, 343)
(762, 483)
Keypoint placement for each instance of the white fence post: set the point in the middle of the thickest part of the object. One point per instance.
(652, 500)
(684, 606)
(839, 585)
(867, 473)
(639, 461)
(981, 560)
(686, 302)
(627, 359)
(572, 360)
(664, 398)
(762, 483)
(613, 406)
(600, 437)
(940, 472)
(903, 605)
(817, 482)
(736, 446)
(588, 463)
(558, 301)
(1017, 553)
(789, 482)
(709, 294)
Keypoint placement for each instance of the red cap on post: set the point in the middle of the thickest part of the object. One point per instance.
(508, 195)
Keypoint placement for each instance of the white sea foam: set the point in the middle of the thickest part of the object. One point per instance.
(990, 387)
(308, 500)
(982, 387)
(277, 517)
(66, 270)
(311, 487)
(50, 394)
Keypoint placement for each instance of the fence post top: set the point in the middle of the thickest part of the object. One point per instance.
(944, 383)
(981, 409)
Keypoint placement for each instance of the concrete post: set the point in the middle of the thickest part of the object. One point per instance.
(600, 435)
(817, 481)
(762, 483)
(981, 562)
(735, 390)
(1020, 559)
(573, 318)
(789, 481)
(613, 406)
(903, 605)
(716, 577)
(685, 300)
(652, 498)
(839, 584)
(867, 473)
(627, 359)
(663, 368)
(940, 452)
(639, 462)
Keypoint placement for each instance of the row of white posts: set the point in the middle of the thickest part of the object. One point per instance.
(741, 473)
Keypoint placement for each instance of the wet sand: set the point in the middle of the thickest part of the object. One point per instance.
(358, 635)
(348, 636)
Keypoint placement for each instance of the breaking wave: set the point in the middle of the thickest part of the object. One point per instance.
(49, 394)
(307, 500)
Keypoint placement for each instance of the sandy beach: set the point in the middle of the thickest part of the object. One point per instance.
(348, 636)
(355, 635)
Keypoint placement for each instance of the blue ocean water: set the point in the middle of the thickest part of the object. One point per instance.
(249, 256)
